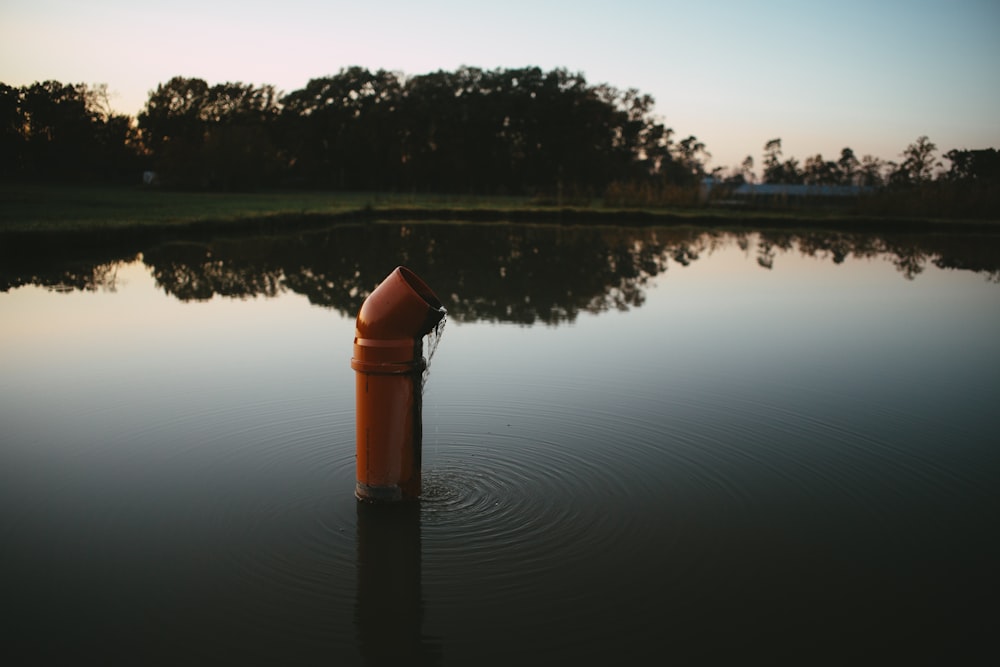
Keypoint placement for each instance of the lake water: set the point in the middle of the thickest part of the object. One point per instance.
(674, 445)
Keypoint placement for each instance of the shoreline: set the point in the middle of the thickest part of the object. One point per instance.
(88, 214)
(286, 223)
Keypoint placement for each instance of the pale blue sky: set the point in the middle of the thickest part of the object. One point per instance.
(869, 74)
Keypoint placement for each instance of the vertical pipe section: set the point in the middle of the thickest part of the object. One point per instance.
(388, 360)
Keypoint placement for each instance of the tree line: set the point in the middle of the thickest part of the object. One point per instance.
(513, 131)
(919, 166)
(471, 130)
(52, 131)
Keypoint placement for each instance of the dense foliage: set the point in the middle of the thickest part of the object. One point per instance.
(503, 131)
(515, 130)
(51, 131)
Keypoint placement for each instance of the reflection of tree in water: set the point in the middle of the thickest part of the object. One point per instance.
(61, 271)
(198, 271)
(909, 253)
(100, 277)
(765, 255)
(684, 254)
(510, 273)
(507, 273)
(768, 245)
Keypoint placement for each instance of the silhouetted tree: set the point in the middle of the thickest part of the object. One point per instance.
(974, 166)
(848, 167)
(58, 130)
(772, 161)
(746, 169)
(871, 171)
(918, 164)
(66, 132)
(818, 171)
(217, 137)
(343, 131)
(437, 118)
(172, 127)
(691, 156)
(11, 138)
(239, 149)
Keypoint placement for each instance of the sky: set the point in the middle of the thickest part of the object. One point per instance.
(872, 75)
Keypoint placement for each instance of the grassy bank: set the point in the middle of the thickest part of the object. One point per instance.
(55, 210)
(34, 208)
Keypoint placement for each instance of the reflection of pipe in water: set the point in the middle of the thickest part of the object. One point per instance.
(388, 358)
(389, 609)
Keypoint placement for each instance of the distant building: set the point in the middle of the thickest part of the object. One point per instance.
(782, 190)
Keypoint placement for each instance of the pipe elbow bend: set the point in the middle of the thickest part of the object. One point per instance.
(394, 317)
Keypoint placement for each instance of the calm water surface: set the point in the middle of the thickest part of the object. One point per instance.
(679, 444)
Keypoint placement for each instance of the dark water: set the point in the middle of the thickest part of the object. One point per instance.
(655, 444)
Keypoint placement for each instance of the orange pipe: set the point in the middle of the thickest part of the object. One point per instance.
(388, 360)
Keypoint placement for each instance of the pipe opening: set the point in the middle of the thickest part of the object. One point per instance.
(421, 288)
